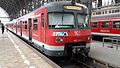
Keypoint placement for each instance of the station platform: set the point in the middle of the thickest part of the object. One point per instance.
(106, 54)
(15, 54)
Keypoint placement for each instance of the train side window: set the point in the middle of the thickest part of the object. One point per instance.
(105, 24)
(116, 24)
(25, 24)
(18, 26)
(42, 20)
(94, 24)
(35, 25)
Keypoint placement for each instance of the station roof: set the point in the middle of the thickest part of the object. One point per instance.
(12, 6)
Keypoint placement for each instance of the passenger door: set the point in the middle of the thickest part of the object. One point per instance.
(43, 29)
(20, 28)
(30, 28)
(16, 27)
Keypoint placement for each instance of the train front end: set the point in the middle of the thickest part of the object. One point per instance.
(68, 29)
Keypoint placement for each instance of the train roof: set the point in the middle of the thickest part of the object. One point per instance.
(58, 6)
(107, 15)
(58, 3)
(52, 7)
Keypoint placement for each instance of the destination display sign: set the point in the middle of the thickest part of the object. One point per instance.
(73, 7)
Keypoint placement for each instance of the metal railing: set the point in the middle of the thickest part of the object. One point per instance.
(114, 41)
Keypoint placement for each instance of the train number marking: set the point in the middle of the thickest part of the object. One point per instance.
(77, 33)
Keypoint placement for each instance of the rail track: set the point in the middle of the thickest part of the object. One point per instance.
(84, 62)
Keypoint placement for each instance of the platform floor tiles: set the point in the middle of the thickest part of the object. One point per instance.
(14, 54)
(105, 54)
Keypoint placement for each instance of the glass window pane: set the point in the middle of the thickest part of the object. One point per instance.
(42, 20)
(35, 25)
(61, 20)
(25, 24)
(105, 24)
(82, 20)
(116, 24)
(94, 24)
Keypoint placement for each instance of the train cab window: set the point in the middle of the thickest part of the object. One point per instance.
(25, 24)
(116, 24)
(61, 20)
(35, 25)
(94, 24)
(42, 20)
(82, 20)
(104, 24)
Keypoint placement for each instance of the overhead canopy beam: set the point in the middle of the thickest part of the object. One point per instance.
(15, 7)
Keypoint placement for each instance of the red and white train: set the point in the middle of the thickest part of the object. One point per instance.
(106, 21)
(56, 29)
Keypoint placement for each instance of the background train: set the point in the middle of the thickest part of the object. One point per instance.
(56, 29)
(106, 21)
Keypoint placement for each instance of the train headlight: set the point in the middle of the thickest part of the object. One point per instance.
(59, 40)
(89, 38)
